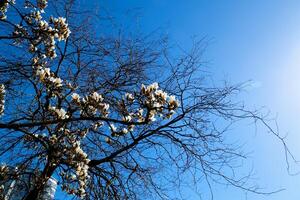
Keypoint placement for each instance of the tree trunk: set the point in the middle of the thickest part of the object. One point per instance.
(39, 187)
(33, 194)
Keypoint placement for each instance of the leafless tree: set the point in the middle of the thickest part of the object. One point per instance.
(111, 116)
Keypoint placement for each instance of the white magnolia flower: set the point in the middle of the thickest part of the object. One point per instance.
(153, 86)
(113, 128)
(108, 140)
(106, 106)
(75, 97)
(127, 118)
(173, 103)
(129, 97)
(57, 81)
(163, 95)
(47, 71)
(124, 130)
(42, 73)
(61, 113)
(97, 97)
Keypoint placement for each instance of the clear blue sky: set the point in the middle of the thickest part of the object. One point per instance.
(250, 39)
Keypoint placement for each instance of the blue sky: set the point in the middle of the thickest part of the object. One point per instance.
(249, 40)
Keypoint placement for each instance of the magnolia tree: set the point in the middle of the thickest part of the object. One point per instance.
(109, 117)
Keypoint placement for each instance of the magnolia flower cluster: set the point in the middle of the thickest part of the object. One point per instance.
(59, 112)
(158, 102)
(60, 31)
(120, 131)
(82, 176)
(42, 33)
(78, 159)
(68, 150)
(2, 98)
(4, 4)
(46, 32)
(47, 77)
(61, 28)
(91, 105)
(152, 102)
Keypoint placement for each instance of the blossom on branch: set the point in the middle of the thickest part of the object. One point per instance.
(60, 112)
(4, 5)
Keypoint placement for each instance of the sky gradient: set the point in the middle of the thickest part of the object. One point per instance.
(248, 40)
